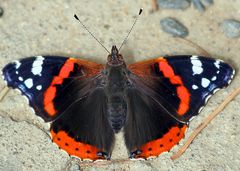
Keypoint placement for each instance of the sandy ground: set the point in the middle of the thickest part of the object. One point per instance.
(43, 27)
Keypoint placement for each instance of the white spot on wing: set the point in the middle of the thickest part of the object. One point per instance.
(217, 89)
(137, 159)
(17, 72)
(87, 160)
(216, 63)
(205, 82)
(194, 87)
(197, 70)
(28, 83)
(37, 65)
(151, 157)
(20, 78)
(207, 98)
(18, 64)
(233, 72)
(39, 87)
(197, 65)
(192, 118)
(201, 108)
(194, 57)
(98, 160)
(196, 62)
(214, 78)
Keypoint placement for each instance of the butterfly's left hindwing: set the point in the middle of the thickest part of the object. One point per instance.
(168, 92)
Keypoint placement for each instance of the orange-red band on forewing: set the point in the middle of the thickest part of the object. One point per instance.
(183, 94)
(50, 93)
(182, 91)
(72, 147)
(165, 68)
(156, 147)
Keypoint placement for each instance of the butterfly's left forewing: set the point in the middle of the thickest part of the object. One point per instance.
(42, 78)
(169, 92)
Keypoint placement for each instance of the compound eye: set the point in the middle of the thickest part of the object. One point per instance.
(120, 57)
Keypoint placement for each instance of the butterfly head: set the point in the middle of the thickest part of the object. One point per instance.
(115, 59)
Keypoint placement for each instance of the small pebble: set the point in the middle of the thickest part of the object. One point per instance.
(173, 27)
(174, 4)
(201, 5)
(198, 5)
(1, 11)
(207, 3)
(74, 167)
(231, 28)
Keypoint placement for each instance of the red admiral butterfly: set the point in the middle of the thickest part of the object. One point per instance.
(87, 103)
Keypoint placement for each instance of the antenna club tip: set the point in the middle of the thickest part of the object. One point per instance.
(140, 11)
(76, 17)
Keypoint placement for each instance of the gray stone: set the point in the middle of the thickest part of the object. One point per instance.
(173, 27)
(231, 28)
(74, 167)
(174, 4)
(201, 5)
(1, 11)
(198, 5)
(207, 2)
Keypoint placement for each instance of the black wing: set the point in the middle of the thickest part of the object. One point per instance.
(166, 94)
(64, 90)
(83, 129)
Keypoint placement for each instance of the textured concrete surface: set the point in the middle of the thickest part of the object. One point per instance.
(43, 27)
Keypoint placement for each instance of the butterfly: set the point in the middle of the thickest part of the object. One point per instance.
(87, 103)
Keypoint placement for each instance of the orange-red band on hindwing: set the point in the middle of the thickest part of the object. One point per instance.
(72, 147)
(156, 147)
(182, 91)
(50, 93)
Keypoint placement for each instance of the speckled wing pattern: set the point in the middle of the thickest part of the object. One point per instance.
(60, 90)
(168, 92)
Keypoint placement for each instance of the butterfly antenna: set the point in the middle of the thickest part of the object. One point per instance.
(76, 17)
(124, 41)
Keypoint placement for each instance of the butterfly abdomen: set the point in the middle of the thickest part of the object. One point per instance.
(117, 110)
(116, 103)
